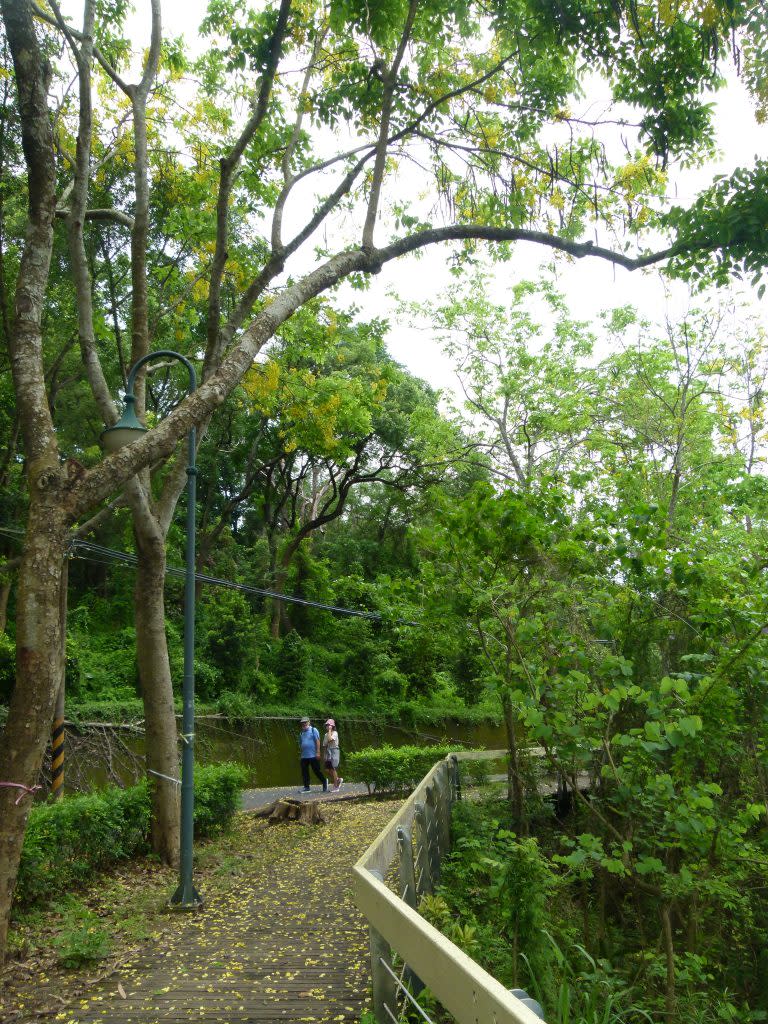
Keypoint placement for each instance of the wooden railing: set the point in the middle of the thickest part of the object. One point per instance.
(418, 836)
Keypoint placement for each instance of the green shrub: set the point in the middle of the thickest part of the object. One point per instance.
(121, 707)
(227, 641)
(118, 708)
(81, 941)
(292, 664)
(66, 843)
(69, 841)
(394, 768)
(237, 707)
(217, 795)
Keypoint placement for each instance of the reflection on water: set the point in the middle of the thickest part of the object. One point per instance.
(269, 747)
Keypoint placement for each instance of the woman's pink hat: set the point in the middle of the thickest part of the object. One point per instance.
(331, 723)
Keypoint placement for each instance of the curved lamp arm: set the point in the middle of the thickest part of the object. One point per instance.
(128, 428)
(162, 353)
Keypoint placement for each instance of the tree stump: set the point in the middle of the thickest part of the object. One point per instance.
(286, 808)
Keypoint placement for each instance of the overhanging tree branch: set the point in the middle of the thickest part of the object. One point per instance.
(487, 233)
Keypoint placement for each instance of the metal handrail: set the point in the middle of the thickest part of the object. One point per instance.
(463, 987)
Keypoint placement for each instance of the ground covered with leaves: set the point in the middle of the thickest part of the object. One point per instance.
(279, 937)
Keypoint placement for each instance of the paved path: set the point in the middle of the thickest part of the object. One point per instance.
(253, 799)
(285, 943)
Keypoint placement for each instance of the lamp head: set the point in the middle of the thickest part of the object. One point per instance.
(127, 429)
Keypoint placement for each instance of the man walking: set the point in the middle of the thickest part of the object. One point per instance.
(309, 746)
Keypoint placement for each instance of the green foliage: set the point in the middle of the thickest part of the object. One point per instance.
(292, 664)
(82, 940)
(435, 910)
(227, 643)
(100, 657)
(118, 708)
(732, 210)
(388, 768)
(502, 885)
(67, 842)
(217, 795)
(7, 667)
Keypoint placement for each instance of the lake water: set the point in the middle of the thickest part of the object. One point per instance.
(269, 747)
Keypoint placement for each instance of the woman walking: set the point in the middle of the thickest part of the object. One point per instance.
(332, 754)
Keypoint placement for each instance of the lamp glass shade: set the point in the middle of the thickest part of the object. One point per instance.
(126, 430)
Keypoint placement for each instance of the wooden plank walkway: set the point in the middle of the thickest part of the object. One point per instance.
(286, 943)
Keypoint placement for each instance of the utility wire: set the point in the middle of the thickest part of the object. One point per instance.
(110, 554)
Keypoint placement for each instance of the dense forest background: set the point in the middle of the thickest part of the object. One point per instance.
(555, 519)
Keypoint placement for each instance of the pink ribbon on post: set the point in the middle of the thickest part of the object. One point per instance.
(28, 790)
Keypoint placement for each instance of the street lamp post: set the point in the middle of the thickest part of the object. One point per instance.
(128, 429)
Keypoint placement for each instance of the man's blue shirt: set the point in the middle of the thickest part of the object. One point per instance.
(308, 740)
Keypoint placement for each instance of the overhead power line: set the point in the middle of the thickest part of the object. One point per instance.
(110, 554)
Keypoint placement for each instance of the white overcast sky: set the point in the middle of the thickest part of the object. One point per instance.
(590, 285)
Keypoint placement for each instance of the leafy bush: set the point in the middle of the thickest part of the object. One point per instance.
(500, 884)
(292, 664)
(217, 795)
(227, 642)
(237, 707)
(394, 768)
(66, 843)
(69, 841)
(83, 940)
(122, 707)
(118, 708)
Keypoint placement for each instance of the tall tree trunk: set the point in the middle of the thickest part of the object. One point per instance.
(38, 621)
(276, 614)
(280, 624)
(40, 644)
(514, 783)
(157, 692)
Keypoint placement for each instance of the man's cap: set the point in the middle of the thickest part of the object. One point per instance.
(303, 720)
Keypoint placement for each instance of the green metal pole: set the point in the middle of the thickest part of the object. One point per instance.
(186, 896)
(126, 430)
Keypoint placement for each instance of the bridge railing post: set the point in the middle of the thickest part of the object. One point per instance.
(456, 777)
(424, 884)
(443, 801)
(407, 872)
(383, 981)
(408, 893)
(433, 838)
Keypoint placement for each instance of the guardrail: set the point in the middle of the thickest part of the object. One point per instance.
(419, 836)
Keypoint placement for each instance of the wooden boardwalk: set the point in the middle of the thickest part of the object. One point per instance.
(286, 943)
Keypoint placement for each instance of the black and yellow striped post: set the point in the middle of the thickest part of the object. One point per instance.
(57, 731)
(57, 747)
